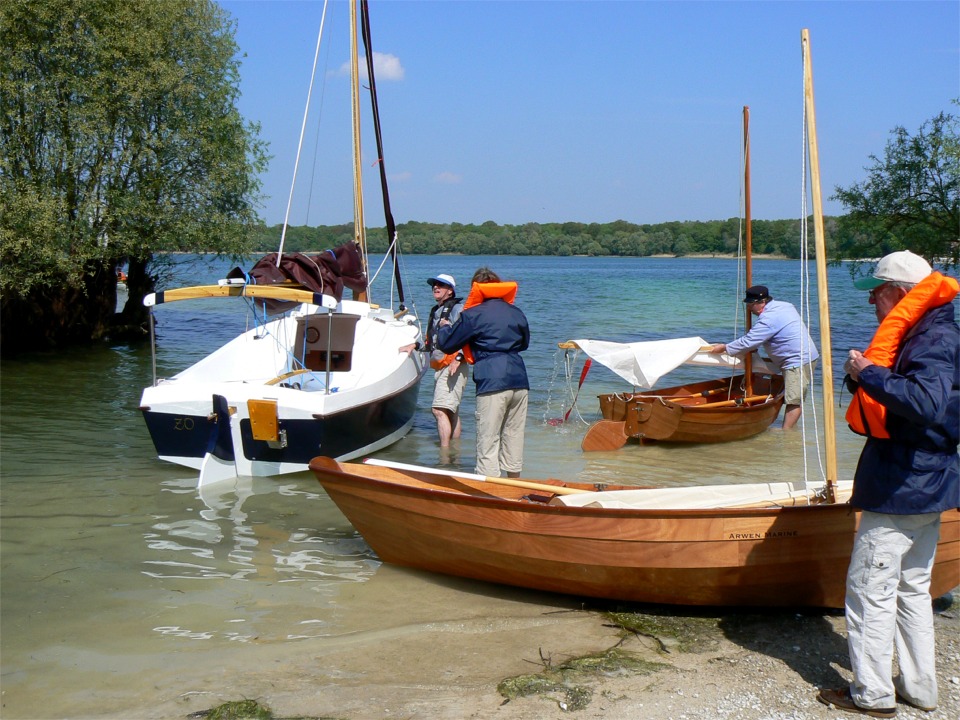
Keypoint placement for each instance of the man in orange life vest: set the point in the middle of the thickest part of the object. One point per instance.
(907, 402)
(493, 332)
(450, 377)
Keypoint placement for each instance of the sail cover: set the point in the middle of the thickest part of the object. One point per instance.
(642, 364)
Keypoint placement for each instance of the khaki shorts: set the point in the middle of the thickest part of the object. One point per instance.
(795, 383)
(448, 389)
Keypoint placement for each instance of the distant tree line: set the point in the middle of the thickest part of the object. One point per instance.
(619, 238)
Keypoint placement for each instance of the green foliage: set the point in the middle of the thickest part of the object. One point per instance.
(618, 238)
(910, 198)
(119, 138)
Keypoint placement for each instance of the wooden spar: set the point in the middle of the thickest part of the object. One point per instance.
(830, 440)
(359, 228)
(293, 293)
(748, 319)
(512, 482)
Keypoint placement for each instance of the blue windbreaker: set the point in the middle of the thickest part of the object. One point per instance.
(916, 470)
(497, 332)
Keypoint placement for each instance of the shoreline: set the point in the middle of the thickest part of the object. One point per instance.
(545, 662)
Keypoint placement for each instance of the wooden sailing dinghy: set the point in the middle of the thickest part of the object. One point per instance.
(769, 544)
(711, 411)
(729, 545)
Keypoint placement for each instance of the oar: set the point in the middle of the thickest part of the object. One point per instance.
(583, 374)
(543, 487)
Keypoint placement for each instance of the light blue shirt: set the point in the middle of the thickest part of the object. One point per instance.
(781, 332)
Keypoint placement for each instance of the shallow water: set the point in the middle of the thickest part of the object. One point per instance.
(117, 575)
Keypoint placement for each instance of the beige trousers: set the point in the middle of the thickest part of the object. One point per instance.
(889, 606)
(501, 418)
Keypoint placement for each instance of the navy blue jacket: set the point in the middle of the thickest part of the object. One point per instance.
(496, 332)
(915, 470)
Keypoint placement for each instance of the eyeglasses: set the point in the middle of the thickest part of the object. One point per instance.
(877, 290)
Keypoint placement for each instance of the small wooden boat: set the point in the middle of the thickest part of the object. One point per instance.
(712, 411)
(729, 545)
(703, 412)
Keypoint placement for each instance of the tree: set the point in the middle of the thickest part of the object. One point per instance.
(119, 140)
(910, 199)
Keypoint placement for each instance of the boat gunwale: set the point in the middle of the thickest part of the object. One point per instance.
(450, 495)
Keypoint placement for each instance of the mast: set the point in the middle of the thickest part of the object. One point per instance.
(748, 249)
(830, 440)
(359, 229)
(388, 214)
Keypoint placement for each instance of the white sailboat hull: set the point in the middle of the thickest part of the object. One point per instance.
(235, 412)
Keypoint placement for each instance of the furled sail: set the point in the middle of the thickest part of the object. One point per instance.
(642, 364)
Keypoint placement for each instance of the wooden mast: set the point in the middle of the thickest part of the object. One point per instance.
(359, 228)
(748, 249)
(830, 440)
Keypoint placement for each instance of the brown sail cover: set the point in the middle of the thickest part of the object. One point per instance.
(328, 273)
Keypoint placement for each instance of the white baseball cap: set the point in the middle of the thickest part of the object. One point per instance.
(442, 279)
(900, 266)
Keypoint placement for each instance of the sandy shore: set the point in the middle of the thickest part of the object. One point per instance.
(680, 665)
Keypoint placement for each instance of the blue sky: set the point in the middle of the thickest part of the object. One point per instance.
(522, 111)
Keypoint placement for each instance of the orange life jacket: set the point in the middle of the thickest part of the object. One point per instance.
(865, 415)
(479, 292)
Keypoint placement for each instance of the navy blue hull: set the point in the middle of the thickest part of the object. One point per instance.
(332, 435)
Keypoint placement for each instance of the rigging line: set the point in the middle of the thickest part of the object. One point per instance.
(804, 309)
(816, 425)
(303, 129)
(805, 301)
(316, 139)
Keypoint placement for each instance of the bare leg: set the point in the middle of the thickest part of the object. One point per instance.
(791, 415)
(444, 426)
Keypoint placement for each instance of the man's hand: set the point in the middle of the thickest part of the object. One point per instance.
(855, 364)
(717, 349)
(408, 348)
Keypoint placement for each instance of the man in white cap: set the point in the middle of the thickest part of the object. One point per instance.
(907, 402)
(450, 377)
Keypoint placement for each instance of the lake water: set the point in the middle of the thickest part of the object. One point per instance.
(122, 586)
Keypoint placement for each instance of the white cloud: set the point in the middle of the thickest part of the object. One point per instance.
(401, 177)
(448, 178)
(386, 67)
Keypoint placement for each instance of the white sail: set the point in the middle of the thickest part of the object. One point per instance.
(642, 364)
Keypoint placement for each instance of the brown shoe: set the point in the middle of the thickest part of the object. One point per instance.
(841, 700)
(911, 703)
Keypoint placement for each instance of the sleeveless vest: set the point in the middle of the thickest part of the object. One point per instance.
(438, 313)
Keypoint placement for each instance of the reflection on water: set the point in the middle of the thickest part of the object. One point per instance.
(224, 541)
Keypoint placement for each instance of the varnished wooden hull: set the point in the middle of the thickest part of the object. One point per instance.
(789, 556)
(704, 412)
